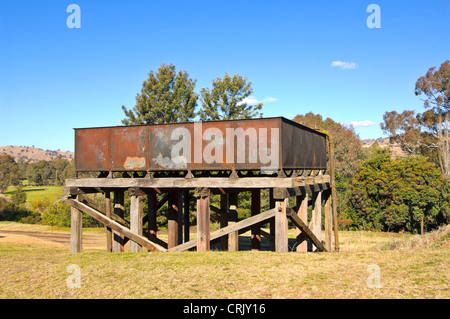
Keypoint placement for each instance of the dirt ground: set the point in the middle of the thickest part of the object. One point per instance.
(47, 239)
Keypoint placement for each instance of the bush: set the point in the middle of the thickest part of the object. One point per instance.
(19, 214)
(56, 214)
(396, 194)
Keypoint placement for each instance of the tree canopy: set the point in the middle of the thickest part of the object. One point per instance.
(426, 133)
(348, 150)
(9, 172)
(435, 86)
(395, 194)
(228, 100)
(166, 97)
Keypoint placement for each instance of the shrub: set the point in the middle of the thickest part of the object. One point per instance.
(20, 214)
(56, 214)
(396, 194)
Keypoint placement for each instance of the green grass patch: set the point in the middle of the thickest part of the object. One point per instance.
(42, 193)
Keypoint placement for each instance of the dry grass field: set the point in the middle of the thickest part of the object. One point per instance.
(34, 263)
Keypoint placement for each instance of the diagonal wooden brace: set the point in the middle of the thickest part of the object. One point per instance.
(304, 228)
(116, 226)
(229, 229)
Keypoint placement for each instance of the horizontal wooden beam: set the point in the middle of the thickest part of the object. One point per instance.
(290, 213)
(116, 226)
(197, 182)
(286, 192)
(229, 229)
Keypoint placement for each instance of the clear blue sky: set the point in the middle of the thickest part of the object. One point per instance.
(54, 79)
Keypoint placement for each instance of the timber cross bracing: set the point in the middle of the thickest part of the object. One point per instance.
(314, 191)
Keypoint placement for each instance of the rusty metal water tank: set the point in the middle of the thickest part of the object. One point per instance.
(250, 144)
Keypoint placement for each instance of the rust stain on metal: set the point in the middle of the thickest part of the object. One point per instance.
(132, 163)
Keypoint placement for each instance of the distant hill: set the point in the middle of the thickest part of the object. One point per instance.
(384, 142)
(33, 154)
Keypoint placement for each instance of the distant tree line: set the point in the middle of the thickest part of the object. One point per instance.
(42, 173)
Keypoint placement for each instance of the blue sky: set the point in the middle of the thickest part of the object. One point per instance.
(54, 78)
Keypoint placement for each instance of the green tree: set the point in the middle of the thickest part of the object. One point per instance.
(395, 194)
(40, 173)
(19, 197)
(9, 172)
(348, 149)
(166, 97)
(412, 132)
(435, 86)
(228, 100)
(59, 166)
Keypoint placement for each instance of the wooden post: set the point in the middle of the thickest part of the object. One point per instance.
(135, 219)
(302, 203)
(255, 229)
(180, 217)
(118, 239)
(281, 226)
(328, 219)
(333, 191)
(233, 238)
(272, 221)
(316, 218)
(76, 230)
(421, 226)
(152, 203)
(172, 220)
(186, 215)
(203, 218)
(224, 220)
(108, 229)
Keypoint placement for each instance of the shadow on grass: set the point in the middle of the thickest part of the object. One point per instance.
(245, 244)
(34, 190)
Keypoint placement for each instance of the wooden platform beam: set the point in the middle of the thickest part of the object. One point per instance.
(196, 182)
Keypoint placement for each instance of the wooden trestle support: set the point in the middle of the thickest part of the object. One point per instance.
(309, 191)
